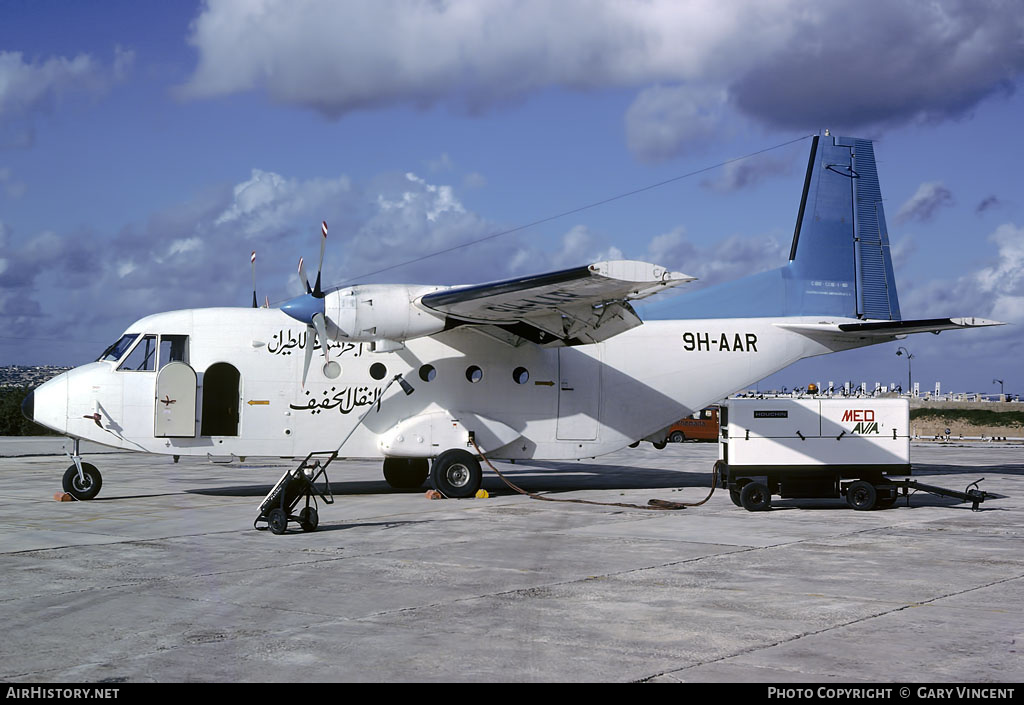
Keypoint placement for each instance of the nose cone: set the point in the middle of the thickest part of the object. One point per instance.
(47, 405)
(303, 308)
(28, 406)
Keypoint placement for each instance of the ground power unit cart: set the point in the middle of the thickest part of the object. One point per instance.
(820, 447)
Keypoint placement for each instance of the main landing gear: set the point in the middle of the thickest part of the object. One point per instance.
(455, 473)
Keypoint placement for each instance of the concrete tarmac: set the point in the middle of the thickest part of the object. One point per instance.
(163, 578)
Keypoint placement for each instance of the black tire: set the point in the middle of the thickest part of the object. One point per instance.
(755, 497)
(309, 519)
(82, 491)
(734, 495)
(406, 473)
(278, 521)
(677, 437)
(456, 474)
(861, 495)
(660, 445)
(634, 444)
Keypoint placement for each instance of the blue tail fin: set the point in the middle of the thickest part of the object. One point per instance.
(839, 262)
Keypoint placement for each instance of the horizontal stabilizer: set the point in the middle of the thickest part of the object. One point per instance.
(885, 329)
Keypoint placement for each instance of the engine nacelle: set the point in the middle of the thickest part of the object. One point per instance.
(380, 312)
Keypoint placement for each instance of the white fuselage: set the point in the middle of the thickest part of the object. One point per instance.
(529, 401)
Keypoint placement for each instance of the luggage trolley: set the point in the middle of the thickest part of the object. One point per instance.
(277, 508)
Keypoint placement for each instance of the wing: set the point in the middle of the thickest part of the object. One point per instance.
(570, 307)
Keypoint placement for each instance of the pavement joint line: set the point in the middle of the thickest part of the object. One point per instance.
(824, 630)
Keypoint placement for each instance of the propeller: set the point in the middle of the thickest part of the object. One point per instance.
(309, 309)
(253, 260)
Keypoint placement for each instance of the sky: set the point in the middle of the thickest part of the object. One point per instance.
(147, 148)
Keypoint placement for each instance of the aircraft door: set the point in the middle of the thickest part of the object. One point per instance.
(175, 415)
(221, 400)
(579, 394)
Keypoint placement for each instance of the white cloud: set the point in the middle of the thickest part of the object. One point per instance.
(428, 199)
(723, 261)
(792, 64)
(926, 201)
(663, 122)
(995, 290)
(268, 203)
(30, 86)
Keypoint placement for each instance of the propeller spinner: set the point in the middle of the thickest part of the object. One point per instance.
(309, 309)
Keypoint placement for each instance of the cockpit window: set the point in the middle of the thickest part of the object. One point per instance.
(173, 348)
(142, 357)
(115, 351)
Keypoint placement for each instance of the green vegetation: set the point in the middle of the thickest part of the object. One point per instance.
(975, 417)
(12, 422)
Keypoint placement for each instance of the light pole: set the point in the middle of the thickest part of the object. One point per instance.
(901, 351)
(1000, 385)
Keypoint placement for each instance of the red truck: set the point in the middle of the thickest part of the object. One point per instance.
(701, 426)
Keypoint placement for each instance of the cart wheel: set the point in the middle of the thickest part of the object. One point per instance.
(755, 497)
(861, 495)
(278, 521)
(734, 495)
(309, 519)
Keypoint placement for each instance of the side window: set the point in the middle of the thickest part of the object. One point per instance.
(173, 348)
(142, 357)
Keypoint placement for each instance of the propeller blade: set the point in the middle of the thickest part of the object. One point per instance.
(320, 321)
(302, 275)
(253, 260)
(323, 244)
(310, 338)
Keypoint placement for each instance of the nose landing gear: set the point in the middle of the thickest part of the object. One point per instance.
(81, 480)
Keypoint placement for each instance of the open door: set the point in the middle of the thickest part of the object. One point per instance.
(175, 415)
(221, 400)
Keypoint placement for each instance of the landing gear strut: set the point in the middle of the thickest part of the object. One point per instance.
(81, 480)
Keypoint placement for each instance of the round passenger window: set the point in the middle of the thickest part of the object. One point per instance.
(474, 374)
(378, 371)
(521, 375)
(427, 373)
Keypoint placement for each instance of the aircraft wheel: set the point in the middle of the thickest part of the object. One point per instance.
(309, 519)
(406, 473)
(78, 489)
(677, 437)
(861, 495)
(278, 521)
(660, 445)
(755, 497)
(456, 473)
(634, 444)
